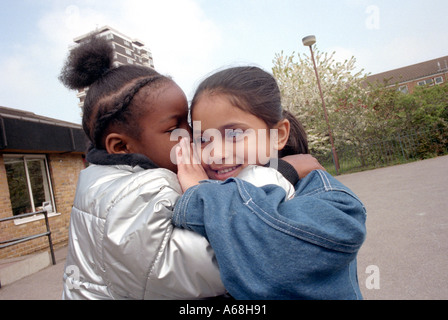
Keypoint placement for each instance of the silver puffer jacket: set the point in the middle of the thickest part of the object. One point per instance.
(122, 244)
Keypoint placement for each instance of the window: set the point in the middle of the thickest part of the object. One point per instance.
(439, 80)
(403, 89)
(130, 61)
(29, 183)
(129, 52)
(426, 82)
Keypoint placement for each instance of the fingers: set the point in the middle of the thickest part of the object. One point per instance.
(187, 153)
(179, 155)
(196, 154)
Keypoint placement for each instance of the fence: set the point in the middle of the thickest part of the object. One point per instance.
(401, 148)
(15, 241)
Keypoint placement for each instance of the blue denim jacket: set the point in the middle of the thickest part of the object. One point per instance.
(268, 248)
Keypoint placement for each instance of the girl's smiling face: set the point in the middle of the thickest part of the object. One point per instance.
(244, 138)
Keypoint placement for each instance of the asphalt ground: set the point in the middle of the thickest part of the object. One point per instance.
(405, 256)
(407, 230)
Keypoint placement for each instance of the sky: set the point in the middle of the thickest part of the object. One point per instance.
(190, 39)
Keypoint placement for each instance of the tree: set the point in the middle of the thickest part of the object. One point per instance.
(371, 122)
(344, 93)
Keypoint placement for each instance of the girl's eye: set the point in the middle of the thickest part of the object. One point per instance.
(202, 140)
(174, 126)
(234, 135)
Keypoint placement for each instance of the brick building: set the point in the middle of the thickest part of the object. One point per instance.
(40, 160)
(431, 72)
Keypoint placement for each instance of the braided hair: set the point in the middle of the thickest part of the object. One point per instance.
(111, 97)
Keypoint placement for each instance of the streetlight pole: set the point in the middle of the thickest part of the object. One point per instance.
(308, 42)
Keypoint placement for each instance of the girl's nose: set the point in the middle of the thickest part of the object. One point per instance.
(217, 152)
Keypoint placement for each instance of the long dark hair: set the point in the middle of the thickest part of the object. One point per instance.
(111, 92)
(255, 91)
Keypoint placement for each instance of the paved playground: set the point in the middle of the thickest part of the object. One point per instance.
(405, 256)
(407, 226)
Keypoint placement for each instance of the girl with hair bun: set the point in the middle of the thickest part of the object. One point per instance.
(122, 244)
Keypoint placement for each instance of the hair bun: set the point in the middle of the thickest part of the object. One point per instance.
(87, 63)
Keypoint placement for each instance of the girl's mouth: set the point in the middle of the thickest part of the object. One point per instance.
(225, 173)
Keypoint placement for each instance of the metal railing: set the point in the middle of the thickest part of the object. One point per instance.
(12, 242)
(396, 149)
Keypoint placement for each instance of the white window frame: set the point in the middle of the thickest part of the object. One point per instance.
(438, 78)
(421, 83)
(24, 158)
(403, 88)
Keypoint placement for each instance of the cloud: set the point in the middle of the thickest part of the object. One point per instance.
(341, 54)
(61, 25)
(179, 34)
(355, 3)
(182, 39)
(18, 78)
(401, 51)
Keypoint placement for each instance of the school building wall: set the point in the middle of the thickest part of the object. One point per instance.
(64, 171)
(427, 73)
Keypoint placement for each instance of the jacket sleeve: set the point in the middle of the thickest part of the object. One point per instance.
(145, 257)
(257, 176)
(318, 232)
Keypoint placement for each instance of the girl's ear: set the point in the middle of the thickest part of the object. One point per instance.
(283, 128)
(116, 143)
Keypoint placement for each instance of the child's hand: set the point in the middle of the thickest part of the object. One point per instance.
(303, 163)
(189, 168)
